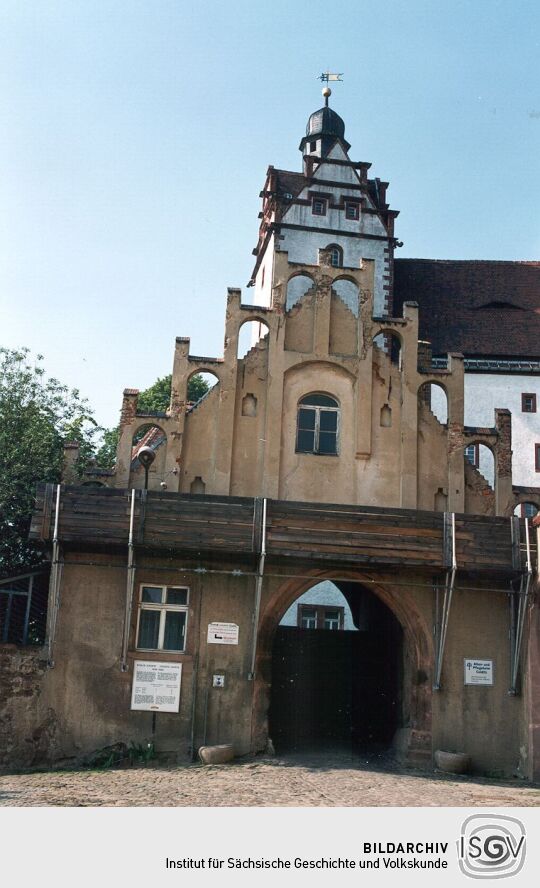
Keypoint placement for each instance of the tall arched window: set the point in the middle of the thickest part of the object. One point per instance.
(317, 425)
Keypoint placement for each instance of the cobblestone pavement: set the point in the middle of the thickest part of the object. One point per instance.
(308, 780)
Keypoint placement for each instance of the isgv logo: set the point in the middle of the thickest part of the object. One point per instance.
(491, 846)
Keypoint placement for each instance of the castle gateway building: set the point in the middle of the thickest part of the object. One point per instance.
(305, 555)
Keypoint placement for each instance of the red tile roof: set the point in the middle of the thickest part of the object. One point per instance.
(480, 308)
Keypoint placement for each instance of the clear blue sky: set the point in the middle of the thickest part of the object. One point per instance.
(135, 136)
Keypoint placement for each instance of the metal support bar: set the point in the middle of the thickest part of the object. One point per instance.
(258, 593)
(517, 616)
(27, 611)
(442, 628)
(54, 584)
(130, 586)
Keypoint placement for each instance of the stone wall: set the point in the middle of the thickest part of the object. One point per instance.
(27, 727)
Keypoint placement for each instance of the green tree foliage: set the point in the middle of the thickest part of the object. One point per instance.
(37, 414)
(106, 455)
(197, 388)
(155, 399)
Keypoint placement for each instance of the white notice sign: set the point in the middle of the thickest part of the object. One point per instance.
(478, 672)
(222, 633)
(156, 686)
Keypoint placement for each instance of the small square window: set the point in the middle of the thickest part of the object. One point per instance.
(528, 402)
(318, 207)
(352, 210)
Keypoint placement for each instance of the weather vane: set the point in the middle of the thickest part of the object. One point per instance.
(327, 77)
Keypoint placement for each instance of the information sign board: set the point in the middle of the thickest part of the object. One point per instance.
(478, 672)
(222, 633)
(156, 686)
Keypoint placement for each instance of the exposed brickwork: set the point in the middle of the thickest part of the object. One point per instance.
(129, 407)
(503, 423)
(462, 305)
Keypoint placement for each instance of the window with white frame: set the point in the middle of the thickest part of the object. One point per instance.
(162, 622)
(317, 616)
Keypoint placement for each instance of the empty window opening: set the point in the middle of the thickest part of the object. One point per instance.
(528, 402)
(297, 287)
(481, 458)
(537, 457)
(199, 387)
(390, 344)
(252, 335)
(337, 669)
(348, 293)
(318, 425)
(433, 396)
(313, 146)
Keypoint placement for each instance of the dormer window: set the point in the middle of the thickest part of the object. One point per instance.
(352, 210)
(318, 207)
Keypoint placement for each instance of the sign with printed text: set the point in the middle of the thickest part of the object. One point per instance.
(156, 686)
(478, 672)
(222, 633)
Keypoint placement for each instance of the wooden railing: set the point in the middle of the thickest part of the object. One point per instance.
(314, 532)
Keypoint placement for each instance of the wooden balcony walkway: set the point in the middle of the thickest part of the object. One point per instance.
(216, 526)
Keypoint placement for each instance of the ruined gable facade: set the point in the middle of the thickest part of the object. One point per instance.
(322, 288)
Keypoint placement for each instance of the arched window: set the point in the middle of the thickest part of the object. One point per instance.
(336, 255)
(318, 425)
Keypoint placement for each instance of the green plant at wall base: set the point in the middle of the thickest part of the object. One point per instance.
(121, 753)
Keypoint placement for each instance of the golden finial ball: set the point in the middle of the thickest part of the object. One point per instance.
(327, 92)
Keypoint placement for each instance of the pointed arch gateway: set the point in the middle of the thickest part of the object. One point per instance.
(412, 728)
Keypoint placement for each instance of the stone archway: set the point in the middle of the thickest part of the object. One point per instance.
(415, 740)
